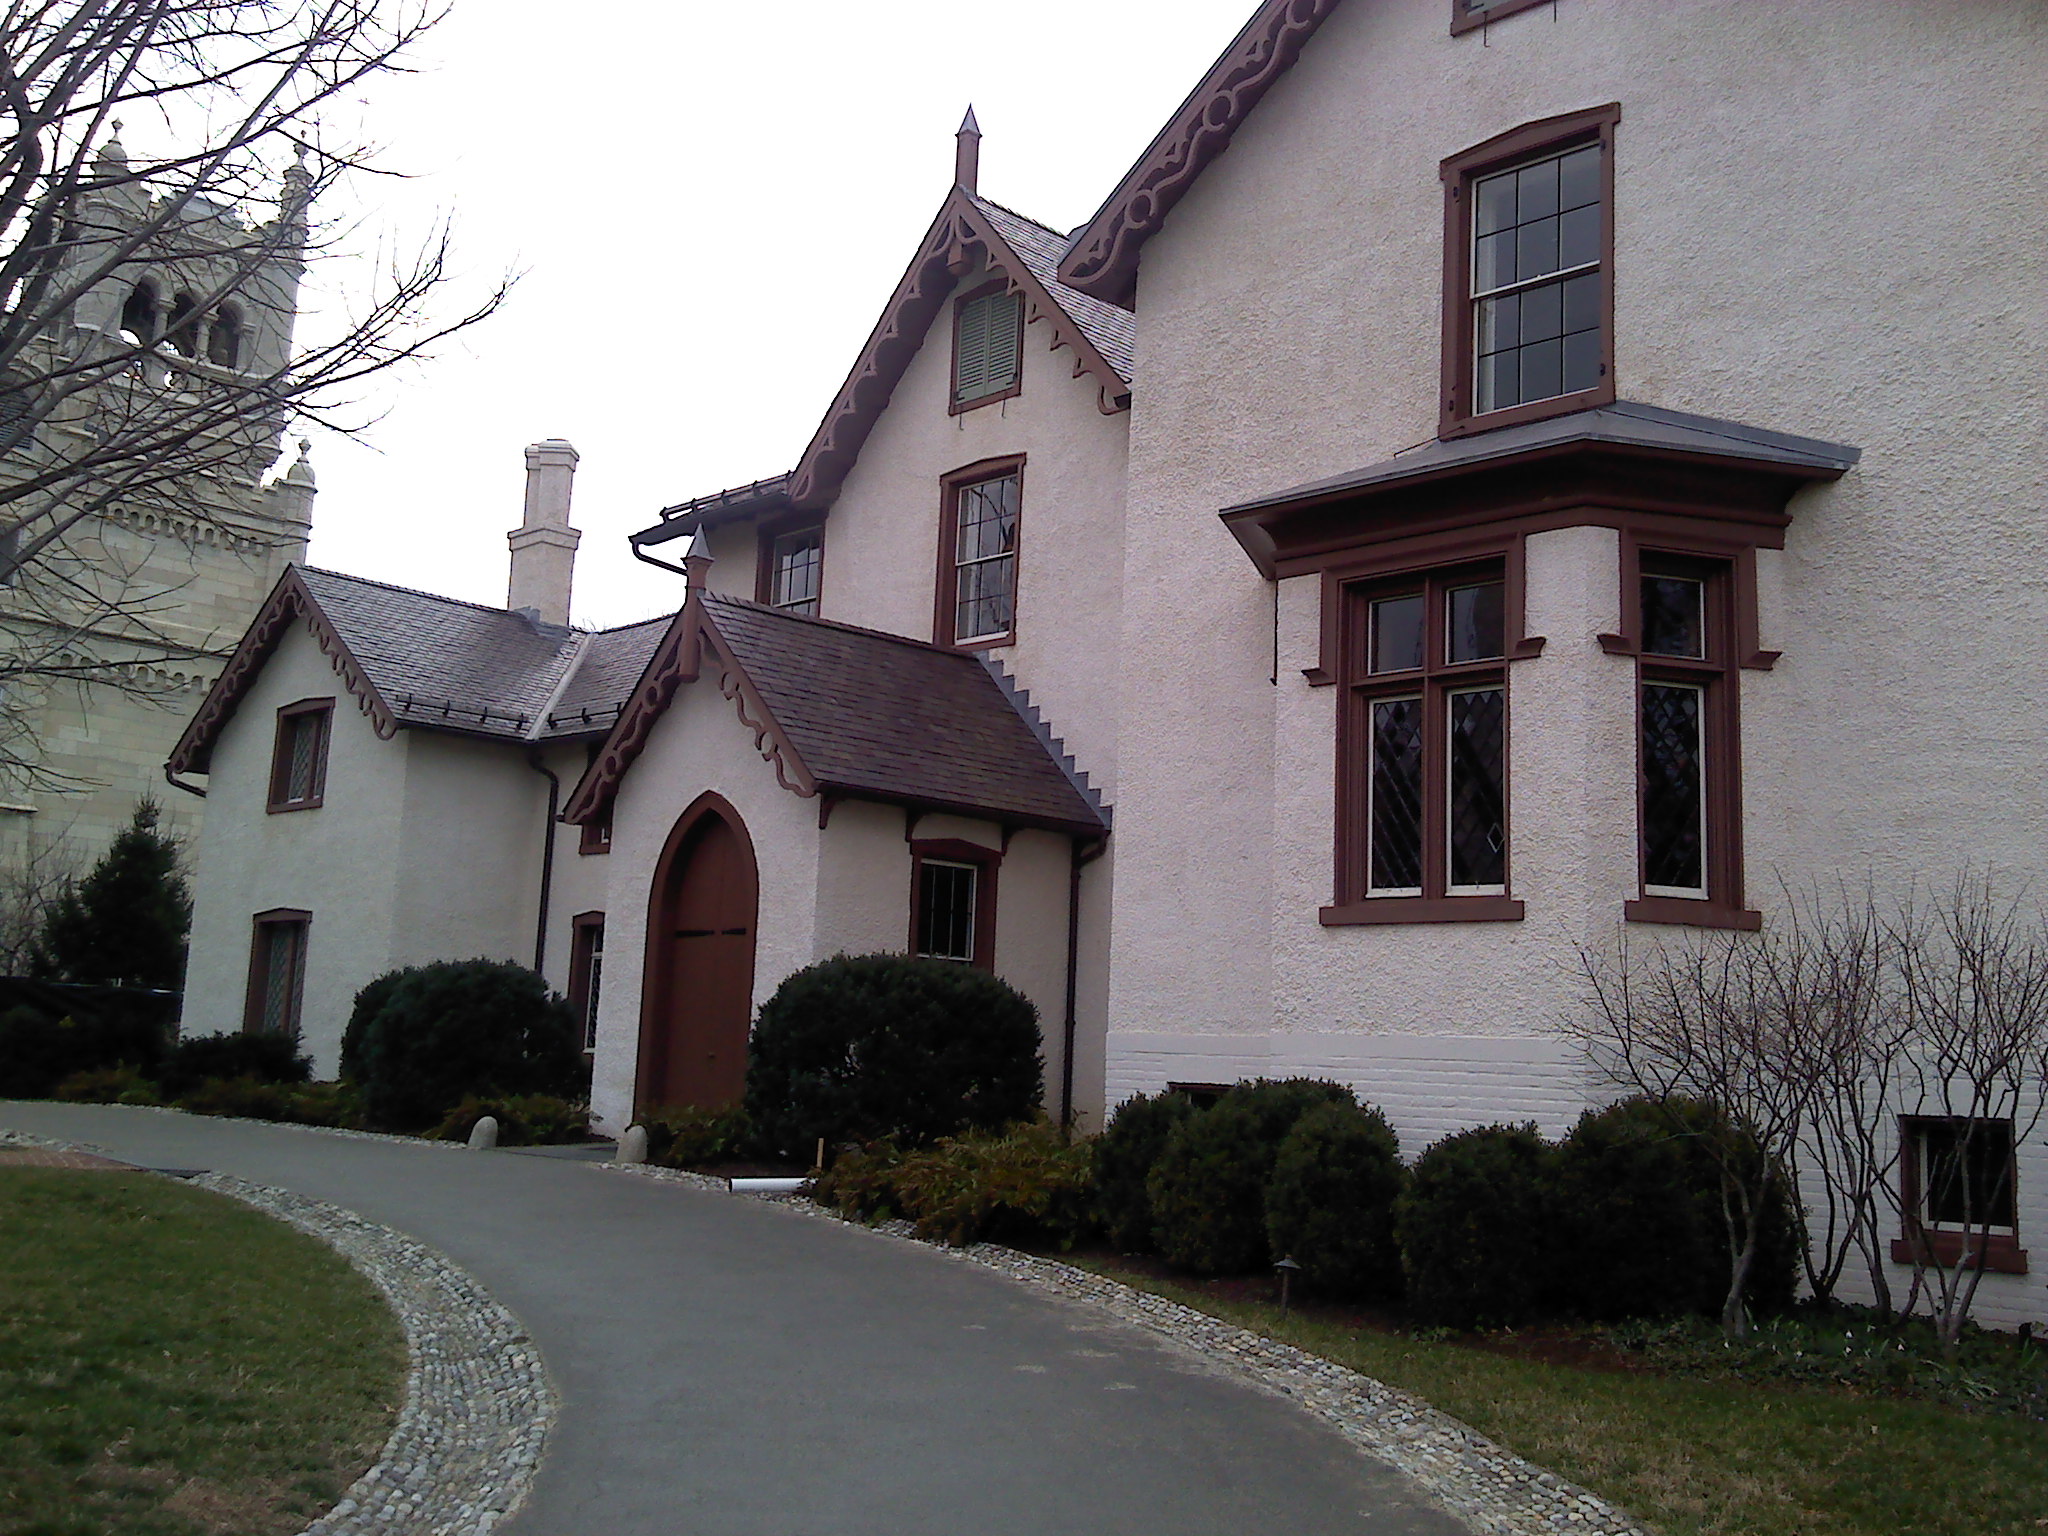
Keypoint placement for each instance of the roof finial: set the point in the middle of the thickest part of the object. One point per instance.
(967, 154)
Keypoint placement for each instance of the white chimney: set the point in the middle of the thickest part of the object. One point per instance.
(544, 545)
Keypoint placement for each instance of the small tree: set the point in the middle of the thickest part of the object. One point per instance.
(125, 923)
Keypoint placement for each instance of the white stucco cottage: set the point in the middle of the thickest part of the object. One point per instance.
(1488, 475)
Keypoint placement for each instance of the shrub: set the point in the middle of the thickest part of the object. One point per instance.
(696, 1138)
(1330, 1202)
(1475, 1228)
(858, 1048)
(524, 1120)
(1208, 1187)
(421, 1039)
(265, 1058)
(1026, 1184)
(862, 1182)
(125, 922)
(336, 1105)
(1640, 1224)
(55, 1032)
(247, 1098)
(108, 1085)
(1124, 1155)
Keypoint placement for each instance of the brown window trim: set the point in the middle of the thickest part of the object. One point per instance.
(945, 589)
(1996, 1252)
(579, 967)
(280, 756)
(595, 834)
(1419, 556)
(770, 531)
(1466, 17)
(954, 850)
(1730, 625)
(1350, 595)
(252, 996)
(1459, 171)
(955, 406)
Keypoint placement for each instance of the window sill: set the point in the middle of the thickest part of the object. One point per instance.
(962, 407)
(280, 807)
(1683, 912)
(2002, 1254)
(1454, 425)
(1422, 909)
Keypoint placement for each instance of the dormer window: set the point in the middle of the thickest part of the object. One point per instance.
(988, 346)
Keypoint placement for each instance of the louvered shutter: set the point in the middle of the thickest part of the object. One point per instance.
(985, 343)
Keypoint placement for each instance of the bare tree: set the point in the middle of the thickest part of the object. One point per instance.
(1971, 971)
(146, 313)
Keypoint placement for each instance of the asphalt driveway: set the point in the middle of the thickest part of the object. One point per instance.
(729, 1368)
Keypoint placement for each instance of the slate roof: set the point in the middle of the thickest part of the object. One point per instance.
(1113, 331)
(438, 661)
(608, 664)
(1623, 424)
(883, 717)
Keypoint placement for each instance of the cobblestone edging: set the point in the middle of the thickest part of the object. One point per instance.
(478, 1405)
(1493, 1490)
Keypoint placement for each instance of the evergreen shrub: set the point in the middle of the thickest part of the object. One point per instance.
(45, 1041)
(863, 1047)
(107, 1085)
(265, 1058)
(1208, 1187)
(421, 1039)
(124, 924)
(1124, 1154)
(1640, 1220)
(1024, 1184)
(524, 1120)
(1476, 1228)
(1330, 1202)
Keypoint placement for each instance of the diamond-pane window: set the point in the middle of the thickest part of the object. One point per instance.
(1478, 808)
(1674, 790)
(298, 767)
(1396, 795)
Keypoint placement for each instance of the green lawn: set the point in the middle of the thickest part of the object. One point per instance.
(174, 1363)
(1707, 1455)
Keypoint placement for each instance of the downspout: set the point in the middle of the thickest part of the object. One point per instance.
(1082, 856)
(547, 858)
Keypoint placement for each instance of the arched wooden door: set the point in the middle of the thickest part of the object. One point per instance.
(698, 1001)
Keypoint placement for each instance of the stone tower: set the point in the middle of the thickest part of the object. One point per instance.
(164, 570)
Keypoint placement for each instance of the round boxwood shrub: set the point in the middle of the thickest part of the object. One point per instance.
(860, 1047)
(1330, 1202)
(1208, 1187)
(420, 1040)
(1640, 1216)
(1124, 1155)
(1475, 1228)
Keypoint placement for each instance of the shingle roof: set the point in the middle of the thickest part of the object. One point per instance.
(1113, 330)
(438, 661)
(608, 664)
(879, 716)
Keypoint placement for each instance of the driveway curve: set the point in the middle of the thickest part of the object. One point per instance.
(730, 1368)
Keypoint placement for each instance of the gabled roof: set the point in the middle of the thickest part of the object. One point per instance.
(966, 230)
(847, 713)
(412, 658)
(1102, 259)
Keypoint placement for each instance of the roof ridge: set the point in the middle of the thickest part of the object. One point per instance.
(841, 624)
(989, 202)
(439, 597)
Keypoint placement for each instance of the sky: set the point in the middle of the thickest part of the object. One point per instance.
(707, 206)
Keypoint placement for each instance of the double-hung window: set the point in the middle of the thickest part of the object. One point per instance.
(977, 581)
(1960, 1193)
(1423, 798)
(298, 764)
(1528, 274)
(792, 568)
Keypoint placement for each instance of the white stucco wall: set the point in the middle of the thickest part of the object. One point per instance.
(335, 861)
(1825, 224)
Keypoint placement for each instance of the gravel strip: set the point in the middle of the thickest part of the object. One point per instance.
(478, 1404)
(1491, 1489)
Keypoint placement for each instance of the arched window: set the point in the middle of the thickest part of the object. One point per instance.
(224, 337)
(138, 316)
(183, 331)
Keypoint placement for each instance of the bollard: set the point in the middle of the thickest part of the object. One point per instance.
(632, 1145)
(483, 1136)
